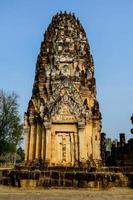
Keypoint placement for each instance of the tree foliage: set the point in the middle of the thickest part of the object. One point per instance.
(11, 129)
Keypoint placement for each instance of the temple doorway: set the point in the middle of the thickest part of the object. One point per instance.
(66, 148)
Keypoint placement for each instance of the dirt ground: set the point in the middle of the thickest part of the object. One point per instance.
(9, 193)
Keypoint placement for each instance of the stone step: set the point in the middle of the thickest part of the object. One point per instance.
(5, 180)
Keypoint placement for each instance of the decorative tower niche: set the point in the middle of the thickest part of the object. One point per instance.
(63, 121)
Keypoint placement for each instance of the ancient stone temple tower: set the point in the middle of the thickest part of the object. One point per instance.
(63, 121)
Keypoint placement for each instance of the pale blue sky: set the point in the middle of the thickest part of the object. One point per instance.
(109, 27)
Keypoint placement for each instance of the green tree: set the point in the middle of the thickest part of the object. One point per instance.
(11, 129)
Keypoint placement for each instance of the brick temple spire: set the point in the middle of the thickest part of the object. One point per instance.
(63, 121)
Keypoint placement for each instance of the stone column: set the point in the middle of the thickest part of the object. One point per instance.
(96, 141)
(81, 127)
(43, 143)
(72, 148)
(48, 141)
(89, 137)
(27, 134)
(53, 149)
(32, 138)
(38, 140)
(76, 148)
